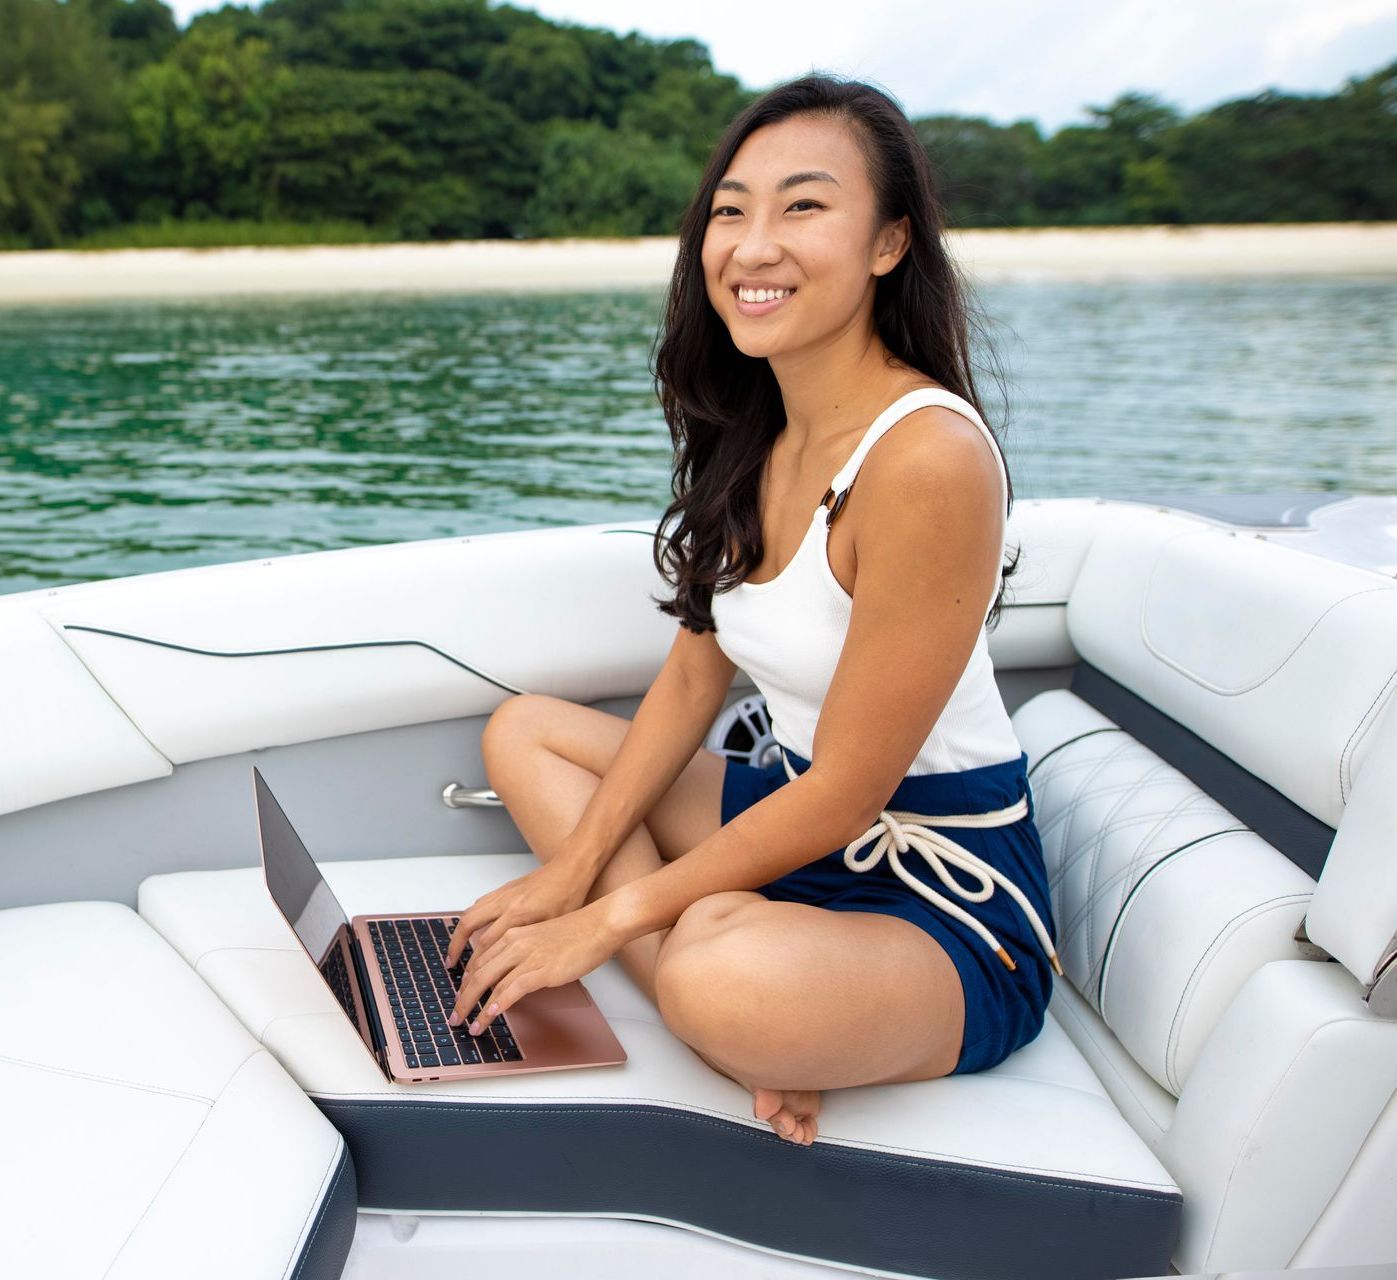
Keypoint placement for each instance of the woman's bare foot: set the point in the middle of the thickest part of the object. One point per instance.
(791, 1112)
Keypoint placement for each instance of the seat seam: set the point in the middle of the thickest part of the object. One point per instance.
(340, 1164)
(1229, 927)
(1125, 1080)
(1360, 731)
(112, 1080)
(1251, 688)
(170, 1172)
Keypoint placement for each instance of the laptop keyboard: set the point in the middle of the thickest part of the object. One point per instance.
(422, 992)
(334, 973)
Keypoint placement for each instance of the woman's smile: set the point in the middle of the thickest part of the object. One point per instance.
(760, 308)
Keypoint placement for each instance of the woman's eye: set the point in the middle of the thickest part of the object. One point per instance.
(726, 208)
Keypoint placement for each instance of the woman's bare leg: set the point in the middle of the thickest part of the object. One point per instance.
(545, 757)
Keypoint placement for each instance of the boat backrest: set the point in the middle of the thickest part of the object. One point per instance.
(1217, 798)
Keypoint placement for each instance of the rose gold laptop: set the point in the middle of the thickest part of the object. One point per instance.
(389, 975)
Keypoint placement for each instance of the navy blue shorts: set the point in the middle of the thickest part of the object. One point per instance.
(1004, 1010)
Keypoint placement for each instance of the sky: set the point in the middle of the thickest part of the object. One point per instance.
(1042, 60)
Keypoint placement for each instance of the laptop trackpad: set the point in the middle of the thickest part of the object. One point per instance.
(546, 999)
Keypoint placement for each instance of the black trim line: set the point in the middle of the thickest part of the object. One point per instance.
(1129, 897)
(307, 648)
(1048, 755)
(1272, 815)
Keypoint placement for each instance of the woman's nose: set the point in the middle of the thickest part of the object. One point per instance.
(757, 245)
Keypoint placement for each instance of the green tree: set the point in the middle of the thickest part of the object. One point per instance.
(594, 181)
(541, 74)
(200, 122)
(1278, 157)
(138, 31)
(59, 120)
(426, 153)
(686, 108)
(986, 173)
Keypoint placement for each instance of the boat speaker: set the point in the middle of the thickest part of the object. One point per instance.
(743, 733)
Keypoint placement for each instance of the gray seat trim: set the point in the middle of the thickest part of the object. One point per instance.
(332, 1233)
(841, 1204)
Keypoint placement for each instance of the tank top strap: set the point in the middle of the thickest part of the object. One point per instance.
(918, 398)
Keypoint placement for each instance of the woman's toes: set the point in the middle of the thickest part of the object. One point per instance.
(766, 1103)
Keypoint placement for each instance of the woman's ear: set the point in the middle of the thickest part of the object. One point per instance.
(893, 242)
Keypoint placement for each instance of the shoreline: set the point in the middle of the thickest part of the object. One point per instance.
(576, 264)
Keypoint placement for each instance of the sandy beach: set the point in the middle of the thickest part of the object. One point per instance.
(1301, 249)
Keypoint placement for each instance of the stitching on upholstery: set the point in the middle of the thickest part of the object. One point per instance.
(1048, 755)
(213, 951)
(1130, 898)
(1073, 855)
(1160, 820)
(1251, 688)
(170, 1173)
(1078, 1182)
(299, 1259)
(1360, 730)
(92, 1075)
(1190, 987)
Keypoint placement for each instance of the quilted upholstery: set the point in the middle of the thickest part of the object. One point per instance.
(1165, 903)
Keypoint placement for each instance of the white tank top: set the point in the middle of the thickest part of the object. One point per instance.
(787, 633)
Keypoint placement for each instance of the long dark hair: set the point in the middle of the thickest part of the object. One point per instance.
(724, 408)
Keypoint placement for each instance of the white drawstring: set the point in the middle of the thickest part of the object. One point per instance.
(903, 830)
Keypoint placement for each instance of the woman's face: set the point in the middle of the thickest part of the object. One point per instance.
(817, 236)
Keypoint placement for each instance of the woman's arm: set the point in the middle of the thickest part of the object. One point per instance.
(670, 724)
(928, 542)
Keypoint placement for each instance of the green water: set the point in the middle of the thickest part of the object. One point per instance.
(137, 437)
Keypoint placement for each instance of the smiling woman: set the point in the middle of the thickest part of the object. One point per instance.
(815, 327)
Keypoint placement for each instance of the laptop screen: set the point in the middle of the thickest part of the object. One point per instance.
(294, 880)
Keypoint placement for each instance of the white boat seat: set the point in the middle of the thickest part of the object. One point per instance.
(1025, 1169)
(147, 1135)
(1215, 798)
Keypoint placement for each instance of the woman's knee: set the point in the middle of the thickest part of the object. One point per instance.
(519, 714)
(705, 973)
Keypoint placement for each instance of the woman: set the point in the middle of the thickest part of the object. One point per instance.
(789, 969)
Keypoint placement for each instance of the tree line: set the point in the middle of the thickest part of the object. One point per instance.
(436, 119)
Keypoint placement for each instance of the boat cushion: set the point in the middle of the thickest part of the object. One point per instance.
(147, 1135)
(1165, 902)
(64, 735)
(917, 1178)
(1282, 660)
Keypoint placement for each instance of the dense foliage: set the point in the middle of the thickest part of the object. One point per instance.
(428, 119)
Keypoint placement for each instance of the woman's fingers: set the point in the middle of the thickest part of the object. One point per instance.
(489, 966)
(472, 918)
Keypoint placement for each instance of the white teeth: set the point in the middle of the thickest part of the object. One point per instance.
(762, 295)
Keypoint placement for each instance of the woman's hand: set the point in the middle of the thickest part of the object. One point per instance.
(526, 957)
(549, 891)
